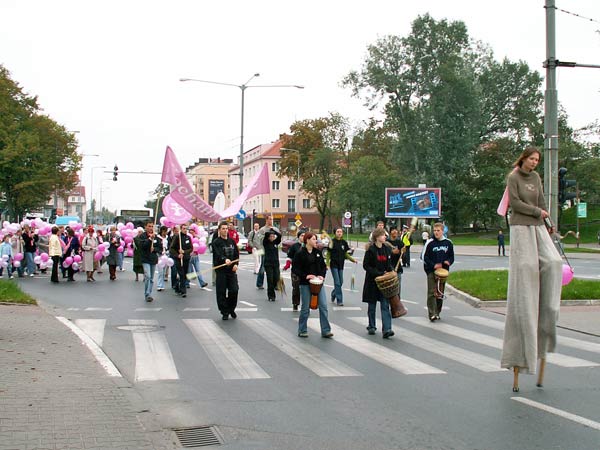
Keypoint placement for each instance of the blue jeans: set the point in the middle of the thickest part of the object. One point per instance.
(120, 260)
(386, 314)
(160, 283)
(305, 310)
(338, 280)
(30, 263)
(148, 278)
(260, 279)
(195, 265)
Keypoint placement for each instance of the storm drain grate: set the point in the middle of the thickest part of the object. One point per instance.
(198, 436)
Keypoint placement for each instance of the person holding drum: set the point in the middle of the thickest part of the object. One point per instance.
(377, 262)
(309, 266)
(438, 256)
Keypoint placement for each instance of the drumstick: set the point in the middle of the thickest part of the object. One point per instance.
(222, 265)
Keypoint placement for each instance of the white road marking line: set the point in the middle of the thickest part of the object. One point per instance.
(196, 309)
(299, 350)
(148, 309)
(445, 308)
(247, 303)
(555, 358)
(100, 356)
(391, 358)
(97, 309)
(559, 412)
(290, 309)
(562, 340)
(231, 360)
(466, 357)
(153, 358)
(72, 309)
(246, 309)
(347, 308)
(94, 328)
(410, 301)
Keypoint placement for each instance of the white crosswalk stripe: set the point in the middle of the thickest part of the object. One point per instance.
(562, 340)
(231, 360)
(555, 358)
(302, 352)
(153, 358)
(472, 359)
(384, 355)
(94, 328)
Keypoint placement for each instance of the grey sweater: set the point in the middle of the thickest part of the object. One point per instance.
(526, 198)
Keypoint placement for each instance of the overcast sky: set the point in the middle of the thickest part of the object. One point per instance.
(110, 69)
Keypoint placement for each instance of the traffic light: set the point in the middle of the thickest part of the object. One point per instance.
(115, 172)
(563, 185)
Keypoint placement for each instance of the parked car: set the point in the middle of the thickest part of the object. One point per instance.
(243, 244)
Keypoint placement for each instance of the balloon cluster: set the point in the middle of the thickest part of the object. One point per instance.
(164, 260)
(127, 232)
(199, 241)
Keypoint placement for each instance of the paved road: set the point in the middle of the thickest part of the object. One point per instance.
(435, 386)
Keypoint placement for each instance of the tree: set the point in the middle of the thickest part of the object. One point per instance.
(321, 146)
(37, 155)
(444, 96)
(160, 192)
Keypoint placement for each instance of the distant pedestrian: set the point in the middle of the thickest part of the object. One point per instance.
(150, 248)
(335, 258)
(72, 248)
(6, 255)
(295, 248)
(271, 243)
(501, 243)
(194, 266)
(113, 253)
(138, 268)
(181, 251)
(89, 245)
(30, 240)
(253, 237)
(55, 252)
(225, 264)
(407, 240)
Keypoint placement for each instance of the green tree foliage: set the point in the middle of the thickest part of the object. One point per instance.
(37, 155)
(444, 98)
(320, 144)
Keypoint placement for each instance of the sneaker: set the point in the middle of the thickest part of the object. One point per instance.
(303, 334)
(184, 295)
(260, 287)
(437, 317)
(328, 335)
(12, 277)
(295, 307)
(160, 289)
(340, 304)
(271, 299)
(203, 285)
(31, 274)
(371, 331)
(225, 317)
(388, 334)
(433, 318)
(149, 299)
(233, 314)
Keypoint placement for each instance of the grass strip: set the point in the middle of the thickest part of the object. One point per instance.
(10, 292)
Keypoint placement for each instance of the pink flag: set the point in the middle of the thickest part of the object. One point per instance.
(504, 201)
(258, 185)
(183, 193)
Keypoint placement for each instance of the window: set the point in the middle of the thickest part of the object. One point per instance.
(291, 205)
(306, 203)
(291, 185)
(275, 185)
(275, 167)
(275, 203)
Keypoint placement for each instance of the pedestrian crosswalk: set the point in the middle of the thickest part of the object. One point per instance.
(418, 348)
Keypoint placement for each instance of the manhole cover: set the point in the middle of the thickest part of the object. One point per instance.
(194, 437)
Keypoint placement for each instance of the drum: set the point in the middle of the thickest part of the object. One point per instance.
(440, 282)
(315, 287)
(389, 286)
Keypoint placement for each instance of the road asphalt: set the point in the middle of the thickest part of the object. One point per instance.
(54, 394)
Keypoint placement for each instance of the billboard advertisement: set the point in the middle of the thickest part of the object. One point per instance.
(413, 202)
(214, 187)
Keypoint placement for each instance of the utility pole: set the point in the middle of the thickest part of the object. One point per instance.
(551, 116)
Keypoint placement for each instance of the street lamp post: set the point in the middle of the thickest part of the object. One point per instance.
(92, 188)
(243, 88)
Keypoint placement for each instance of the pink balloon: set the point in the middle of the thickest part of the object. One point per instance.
(567, 274)
(18, 257)
(44, 257)
(16, 263)
(68, 260)
(130, 225)
(120, 249)
(128, 239)
(196, 247)
(201, 248)
(130, 252)
(77, 258)
(98, 256)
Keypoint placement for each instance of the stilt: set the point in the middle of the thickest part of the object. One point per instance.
(540, 381)
(516, 379)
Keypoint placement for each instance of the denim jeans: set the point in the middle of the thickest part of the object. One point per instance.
(260, 279)
(195, 265)
(160, 282)
(120, 260)
(30, 263)
(386, 314)
(148, 278)
(305, 310)
(338, 280)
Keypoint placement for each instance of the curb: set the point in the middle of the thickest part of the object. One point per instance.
(478, 303)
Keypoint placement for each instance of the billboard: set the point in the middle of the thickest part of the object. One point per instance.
(413, 202)
(214, 187)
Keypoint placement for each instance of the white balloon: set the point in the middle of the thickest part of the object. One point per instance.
(106, 253)
(17, 264)
(75, 266)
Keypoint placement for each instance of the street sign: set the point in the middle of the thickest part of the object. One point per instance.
(347, 222)
(582, 210)
(347, 215)
(241, 215)
(298, 216)
(298, 223)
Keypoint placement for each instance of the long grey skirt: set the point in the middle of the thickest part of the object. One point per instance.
(533, 299)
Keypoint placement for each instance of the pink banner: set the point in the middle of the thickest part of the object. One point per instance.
(182, 191)
(258, 185)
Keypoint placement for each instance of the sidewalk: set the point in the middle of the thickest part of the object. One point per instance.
(55, 395)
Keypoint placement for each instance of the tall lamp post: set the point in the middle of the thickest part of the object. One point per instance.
(243, 88)
(92, 188)
(297, 176)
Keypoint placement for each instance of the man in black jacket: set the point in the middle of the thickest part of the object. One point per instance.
(226, 254)
(181, 251)
(150, 247)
